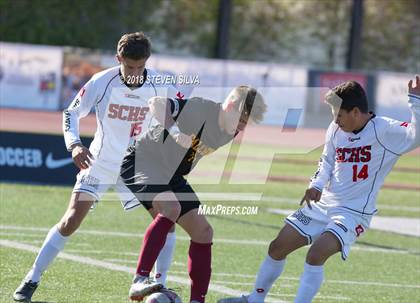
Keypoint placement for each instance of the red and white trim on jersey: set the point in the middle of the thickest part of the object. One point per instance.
(353, 167)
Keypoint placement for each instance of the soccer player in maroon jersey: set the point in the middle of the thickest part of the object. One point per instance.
(155, 171)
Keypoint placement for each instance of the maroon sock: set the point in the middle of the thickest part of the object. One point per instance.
(153, 241)
(199, 268)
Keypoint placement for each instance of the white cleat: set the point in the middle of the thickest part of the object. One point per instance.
(242, 299)
(142, 287)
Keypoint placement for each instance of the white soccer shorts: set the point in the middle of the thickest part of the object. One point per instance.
(99, 178)
(346, 226)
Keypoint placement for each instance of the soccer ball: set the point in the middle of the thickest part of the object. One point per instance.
(164, 296)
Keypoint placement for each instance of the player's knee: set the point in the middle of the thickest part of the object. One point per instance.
(167, 205)
(277, 250)
(172, 210)
(208, 233)
(315, 257)
(68, 225)
(204, 234)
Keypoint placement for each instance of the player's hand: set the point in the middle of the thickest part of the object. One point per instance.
(415, 90)
(311, 194)
(182, 139)
(81, 155)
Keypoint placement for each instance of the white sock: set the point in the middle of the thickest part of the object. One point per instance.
(269, 271)
(310, 283)
(164, 260)
(53, 244)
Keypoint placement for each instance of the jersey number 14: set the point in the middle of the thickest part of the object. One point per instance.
(362, 174)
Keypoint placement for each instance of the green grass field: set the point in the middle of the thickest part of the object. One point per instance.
(382, 267)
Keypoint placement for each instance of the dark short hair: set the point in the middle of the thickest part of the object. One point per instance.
(351, 94)
(134, 46)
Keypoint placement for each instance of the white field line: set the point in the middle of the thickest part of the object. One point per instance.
(24, 235)
(221, 274)
(181, 238)
(319, 296)
(214, 286)
(364, 283)
(111, 197)
(133, 235)
(116, 267)
(120, 261)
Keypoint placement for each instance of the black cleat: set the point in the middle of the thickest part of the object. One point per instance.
(25, 291)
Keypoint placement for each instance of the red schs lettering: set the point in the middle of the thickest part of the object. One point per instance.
(134, 112)
(143, 114)
(346, 151)
(340, 155)
(354, 156)
(404, 124)
(121, 114)
(365, 153)
(113, 111)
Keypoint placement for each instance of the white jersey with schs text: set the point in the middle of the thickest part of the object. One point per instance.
(353, 166)
(122, 113)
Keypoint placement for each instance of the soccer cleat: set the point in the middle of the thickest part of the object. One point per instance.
(142, 287)
(242, 299)
(25, 291)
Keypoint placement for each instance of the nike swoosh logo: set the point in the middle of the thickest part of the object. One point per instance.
(53, 164)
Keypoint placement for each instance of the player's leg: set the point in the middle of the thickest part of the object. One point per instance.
(199, 254)
(299, 230)
(313, 274)
(164, 260)
(168, 209)
(57, 237)
(79, 206)
(287, 241)
(130, 201)
(339, 235)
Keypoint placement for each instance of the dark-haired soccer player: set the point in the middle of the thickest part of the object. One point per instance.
(360, 150)
(119, 96)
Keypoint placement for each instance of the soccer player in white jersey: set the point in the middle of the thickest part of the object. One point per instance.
(120, 97)
(359, 152)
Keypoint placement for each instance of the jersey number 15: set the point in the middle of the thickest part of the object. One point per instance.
(135, 129)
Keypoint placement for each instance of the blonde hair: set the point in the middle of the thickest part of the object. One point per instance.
(250, 103)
